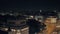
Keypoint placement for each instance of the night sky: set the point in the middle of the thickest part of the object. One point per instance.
(30, 4)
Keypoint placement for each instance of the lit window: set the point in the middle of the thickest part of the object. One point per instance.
(13, 30)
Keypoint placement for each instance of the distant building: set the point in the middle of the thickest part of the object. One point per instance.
(59, 15)
(40, 18)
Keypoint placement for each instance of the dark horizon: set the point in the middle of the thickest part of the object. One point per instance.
(29, 4)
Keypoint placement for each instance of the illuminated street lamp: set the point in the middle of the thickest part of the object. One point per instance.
(31, 16)
(13, 30)
(18, 32)
(6, 29)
